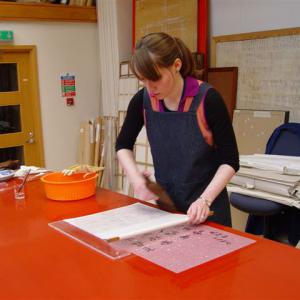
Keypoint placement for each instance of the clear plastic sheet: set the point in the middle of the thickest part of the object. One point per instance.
(89, 240)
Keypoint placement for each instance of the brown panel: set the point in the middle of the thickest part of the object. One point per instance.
(224, 80)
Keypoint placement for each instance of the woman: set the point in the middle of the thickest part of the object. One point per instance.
(189, 130)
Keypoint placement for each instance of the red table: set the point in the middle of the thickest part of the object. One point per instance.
(37, 262)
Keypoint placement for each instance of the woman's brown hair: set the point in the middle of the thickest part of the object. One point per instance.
(160, 50)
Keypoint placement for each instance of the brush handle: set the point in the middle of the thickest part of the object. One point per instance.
(24, 181)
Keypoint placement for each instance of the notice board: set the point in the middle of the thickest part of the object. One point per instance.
(269, 68)
(253, 128)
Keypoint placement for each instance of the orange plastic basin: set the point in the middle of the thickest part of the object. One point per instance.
(62, 187)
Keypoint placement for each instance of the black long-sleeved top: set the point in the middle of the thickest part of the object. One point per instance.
(217, 118)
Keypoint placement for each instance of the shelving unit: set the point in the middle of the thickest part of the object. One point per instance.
(11, 11)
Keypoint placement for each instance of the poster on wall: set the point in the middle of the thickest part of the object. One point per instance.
(68, 87)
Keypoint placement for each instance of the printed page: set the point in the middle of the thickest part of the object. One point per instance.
(126, 221)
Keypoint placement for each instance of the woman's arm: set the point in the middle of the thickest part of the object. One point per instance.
(136, 178)
(132, 125)
(219, 122)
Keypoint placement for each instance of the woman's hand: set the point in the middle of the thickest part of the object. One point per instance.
(198, 211)
(141, 190)
(136, 178)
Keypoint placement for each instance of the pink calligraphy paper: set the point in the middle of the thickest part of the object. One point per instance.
(182, 247)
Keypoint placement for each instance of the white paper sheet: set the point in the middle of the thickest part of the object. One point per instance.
(126, 221)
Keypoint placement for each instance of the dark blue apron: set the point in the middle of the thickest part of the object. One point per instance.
(184, 163)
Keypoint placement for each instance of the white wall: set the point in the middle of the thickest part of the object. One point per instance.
(61, 48)
(240, 16)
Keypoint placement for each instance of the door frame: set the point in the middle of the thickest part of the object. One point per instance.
(33, 91)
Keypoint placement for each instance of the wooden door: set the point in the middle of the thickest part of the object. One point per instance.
(20, 122)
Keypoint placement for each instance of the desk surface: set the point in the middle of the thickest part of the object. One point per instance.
(38, 262)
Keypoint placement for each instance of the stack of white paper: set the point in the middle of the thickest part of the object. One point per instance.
(272, 177)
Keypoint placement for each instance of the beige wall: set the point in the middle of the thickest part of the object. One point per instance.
(61, 48)
(124, 15)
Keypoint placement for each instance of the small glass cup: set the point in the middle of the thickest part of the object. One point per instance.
(19, 190)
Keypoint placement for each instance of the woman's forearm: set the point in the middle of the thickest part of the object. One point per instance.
(218, 183)
(199, 210)
(128, 163)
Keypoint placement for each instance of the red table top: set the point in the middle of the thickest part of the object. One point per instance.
(37, 262)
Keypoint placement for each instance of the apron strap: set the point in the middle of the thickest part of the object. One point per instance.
(196, 105)
(200, 97)
(150, 102)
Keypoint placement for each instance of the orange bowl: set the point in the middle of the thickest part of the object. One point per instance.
(62, 187)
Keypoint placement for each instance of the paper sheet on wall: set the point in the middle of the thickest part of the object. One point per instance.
(184, 246)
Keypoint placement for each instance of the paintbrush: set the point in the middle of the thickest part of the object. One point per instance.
(23, 182)
(164, 201)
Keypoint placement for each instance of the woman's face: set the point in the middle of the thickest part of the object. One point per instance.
(163, 87)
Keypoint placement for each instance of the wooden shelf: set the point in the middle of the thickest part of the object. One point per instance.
(11, 11)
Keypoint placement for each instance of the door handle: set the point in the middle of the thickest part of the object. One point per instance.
(30, 139)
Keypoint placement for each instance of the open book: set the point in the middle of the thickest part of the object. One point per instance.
(126, 221)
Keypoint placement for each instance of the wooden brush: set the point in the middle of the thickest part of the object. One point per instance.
(164, 201)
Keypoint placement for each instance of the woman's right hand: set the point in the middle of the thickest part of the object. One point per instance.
(141, 191)
(135, 176)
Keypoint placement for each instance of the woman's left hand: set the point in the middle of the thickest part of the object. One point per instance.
(198, 211)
